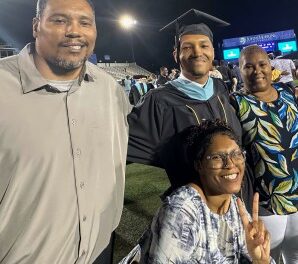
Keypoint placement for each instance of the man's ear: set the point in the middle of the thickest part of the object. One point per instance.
(175, 55)
(35, 25)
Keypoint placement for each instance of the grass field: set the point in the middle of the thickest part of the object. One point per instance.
(143, 186)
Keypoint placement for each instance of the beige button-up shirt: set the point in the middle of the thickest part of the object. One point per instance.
(62, 164)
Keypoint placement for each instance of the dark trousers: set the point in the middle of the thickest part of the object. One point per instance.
(106, 257)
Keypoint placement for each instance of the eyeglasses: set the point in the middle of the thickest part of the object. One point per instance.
(220, 160)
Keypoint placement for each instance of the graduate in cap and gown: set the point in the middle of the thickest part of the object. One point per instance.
(139, 89)
(158, 121)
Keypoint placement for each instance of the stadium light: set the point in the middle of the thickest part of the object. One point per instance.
(127, 22)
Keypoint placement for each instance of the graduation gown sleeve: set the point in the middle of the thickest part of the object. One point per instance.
(134, 95)
(145, 131)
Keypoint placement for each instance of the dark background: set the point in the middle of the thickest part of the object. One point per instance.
(153, 49)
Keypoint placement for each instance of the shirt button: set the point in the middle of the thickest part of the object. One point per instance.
(73, 122)
(83, 253)
(82, 184)
(84, 218)
(78, 152)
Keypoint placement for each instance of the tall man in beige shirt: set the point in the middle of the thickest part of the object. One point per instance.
(63, 142)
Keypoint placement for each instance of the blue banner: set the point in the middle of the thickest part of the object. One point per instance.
(256, 39)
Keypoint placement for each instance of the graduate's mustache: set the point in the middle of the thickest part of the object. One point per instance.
(198, 58)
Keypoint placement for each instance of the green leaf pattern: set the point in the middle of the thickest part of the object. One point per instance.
(244, 108)
(264, 154)
(264, 135)
(277, 172)
(291, 115)
(295, 155)
(268, 134)
(260, 169)
(257, 111)
(284, 186)
(272, 130)
(276, 120)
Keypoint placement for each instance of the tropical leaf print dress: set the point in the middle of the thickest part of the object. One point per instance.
(270, 136)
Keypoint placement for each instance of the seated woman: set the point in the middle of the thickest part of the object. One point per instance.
(204, 222)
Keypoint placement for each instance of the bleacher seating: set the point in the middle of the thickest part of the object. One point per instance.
(120, 70)
(7, 50)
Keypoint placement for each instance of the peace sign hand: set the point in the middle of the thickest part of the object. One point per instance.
(256, 235)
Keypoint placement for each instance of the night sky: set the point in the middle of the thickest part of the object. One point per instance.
(153, 49)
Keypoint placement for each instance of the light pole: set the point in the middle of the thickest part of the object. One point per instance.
(127, 23)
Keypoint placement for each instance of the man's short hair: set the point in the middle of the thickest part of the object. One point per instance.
(222, 63)
(215, 63)
(41, 5)
(251, 50)
(277, 53)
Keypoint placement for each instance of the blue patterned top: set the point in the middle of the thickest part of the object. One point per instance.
(270, 136)
(186, 231)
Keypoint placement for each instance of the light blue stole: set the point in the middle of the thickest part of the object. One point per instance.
(141, 91)
(194, 90)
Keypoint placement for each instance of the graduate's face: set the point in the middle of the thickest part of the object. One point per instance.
(256, 71)
(65, 33)
(225, 179)
(196, 56)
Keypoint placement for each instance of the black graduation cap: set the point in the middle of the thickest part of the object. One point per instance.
(194, 22)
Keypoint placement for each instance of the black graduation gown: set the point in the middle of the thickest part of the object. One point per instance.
(161, 80)
(156, 127)
(137, 91)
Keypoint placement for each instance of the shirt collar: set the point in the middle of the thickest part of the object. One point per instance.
(30, 77)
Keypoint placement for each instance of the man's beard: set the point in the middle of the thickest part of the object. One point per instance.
(197, 72)
(59, 64)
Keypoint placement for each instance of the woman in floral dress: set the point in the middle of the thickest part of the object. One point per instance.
(268, 114)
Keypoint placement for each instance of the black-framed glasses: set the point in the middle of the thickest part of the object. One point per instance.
(220, 160)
